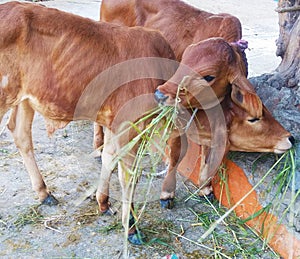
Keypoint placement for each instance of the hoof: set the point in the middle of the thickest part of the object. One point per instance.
(50, 201)
(136, 238)
(108, 212)
(210, 196)
(167, 204)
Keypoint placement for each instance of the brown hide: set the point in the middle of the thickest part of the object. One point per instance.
(50, 57)
(180, 23)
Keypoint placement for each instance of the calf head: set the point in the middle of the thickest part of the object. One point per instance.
(247, 131)
(244, 133)
(204, 77)
(257, 134)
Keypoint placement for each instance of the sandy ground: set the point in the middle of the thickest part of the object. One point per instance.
(74, 229)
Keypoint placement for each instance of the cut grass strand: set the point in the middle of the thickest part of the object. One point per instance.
(160, 114)
(217, 222)
(199, 244)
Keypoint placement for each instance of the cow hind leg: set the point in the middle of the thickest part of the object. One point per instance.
(20, 123)
(108, 154)
(98, 136)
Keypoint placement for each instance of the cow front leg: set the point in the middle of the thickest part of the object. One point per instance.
(108, 155)
(178, 147)
(205, 174)
(128, 182)
(20, 125)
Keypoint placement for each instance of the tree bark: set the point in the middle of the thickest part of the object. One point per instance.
(288, 43)
(280, 90)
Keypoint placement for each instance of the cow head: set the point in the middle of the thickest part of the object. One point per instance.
(202, 79)
(257, 134)
(245, 132)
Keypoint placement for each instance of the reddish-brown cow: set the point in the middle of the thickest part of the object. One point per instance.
(244, 133)
(180, 23)
(67, 67)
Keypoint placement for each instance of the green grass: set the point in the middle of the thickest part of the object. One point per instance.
(30, 217)
(228, 235)
(114, 226)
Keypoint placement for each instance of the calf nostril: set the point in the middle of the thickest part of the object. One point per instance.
(159, 96)
(292, 140)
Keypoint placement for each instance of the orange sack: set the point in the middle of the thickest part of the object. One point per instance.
(266, 224)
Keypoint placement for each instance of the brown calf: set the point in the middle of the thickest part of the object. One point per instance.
(66, 68)
(180, 23)
(243, 133)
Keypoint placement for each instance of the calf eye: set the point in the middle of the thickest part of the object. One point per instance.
(209, 78)
(253, 120)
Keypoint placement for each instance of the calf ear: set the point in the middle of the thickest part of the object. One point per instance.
(249, 101)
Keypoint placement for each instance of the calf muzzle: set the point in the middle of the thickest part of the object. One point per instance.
(160, 97)
(292, 140)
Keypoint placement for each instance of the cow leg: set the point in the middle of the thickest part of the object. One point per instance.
(178, 147)
(205, 173)
(128, 183)
(102, 194)
(98, 136)
(19, 124)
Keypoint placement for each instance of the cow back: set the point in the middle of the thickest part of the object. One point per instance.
(54, 57)
(179, 22)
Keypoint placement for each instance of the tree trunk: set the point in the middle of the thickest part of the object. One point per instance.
(288, 43)
(280, 90)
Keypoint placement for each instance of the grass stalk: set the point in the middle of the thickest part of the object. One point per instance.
(218, 221)
(199, 244)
